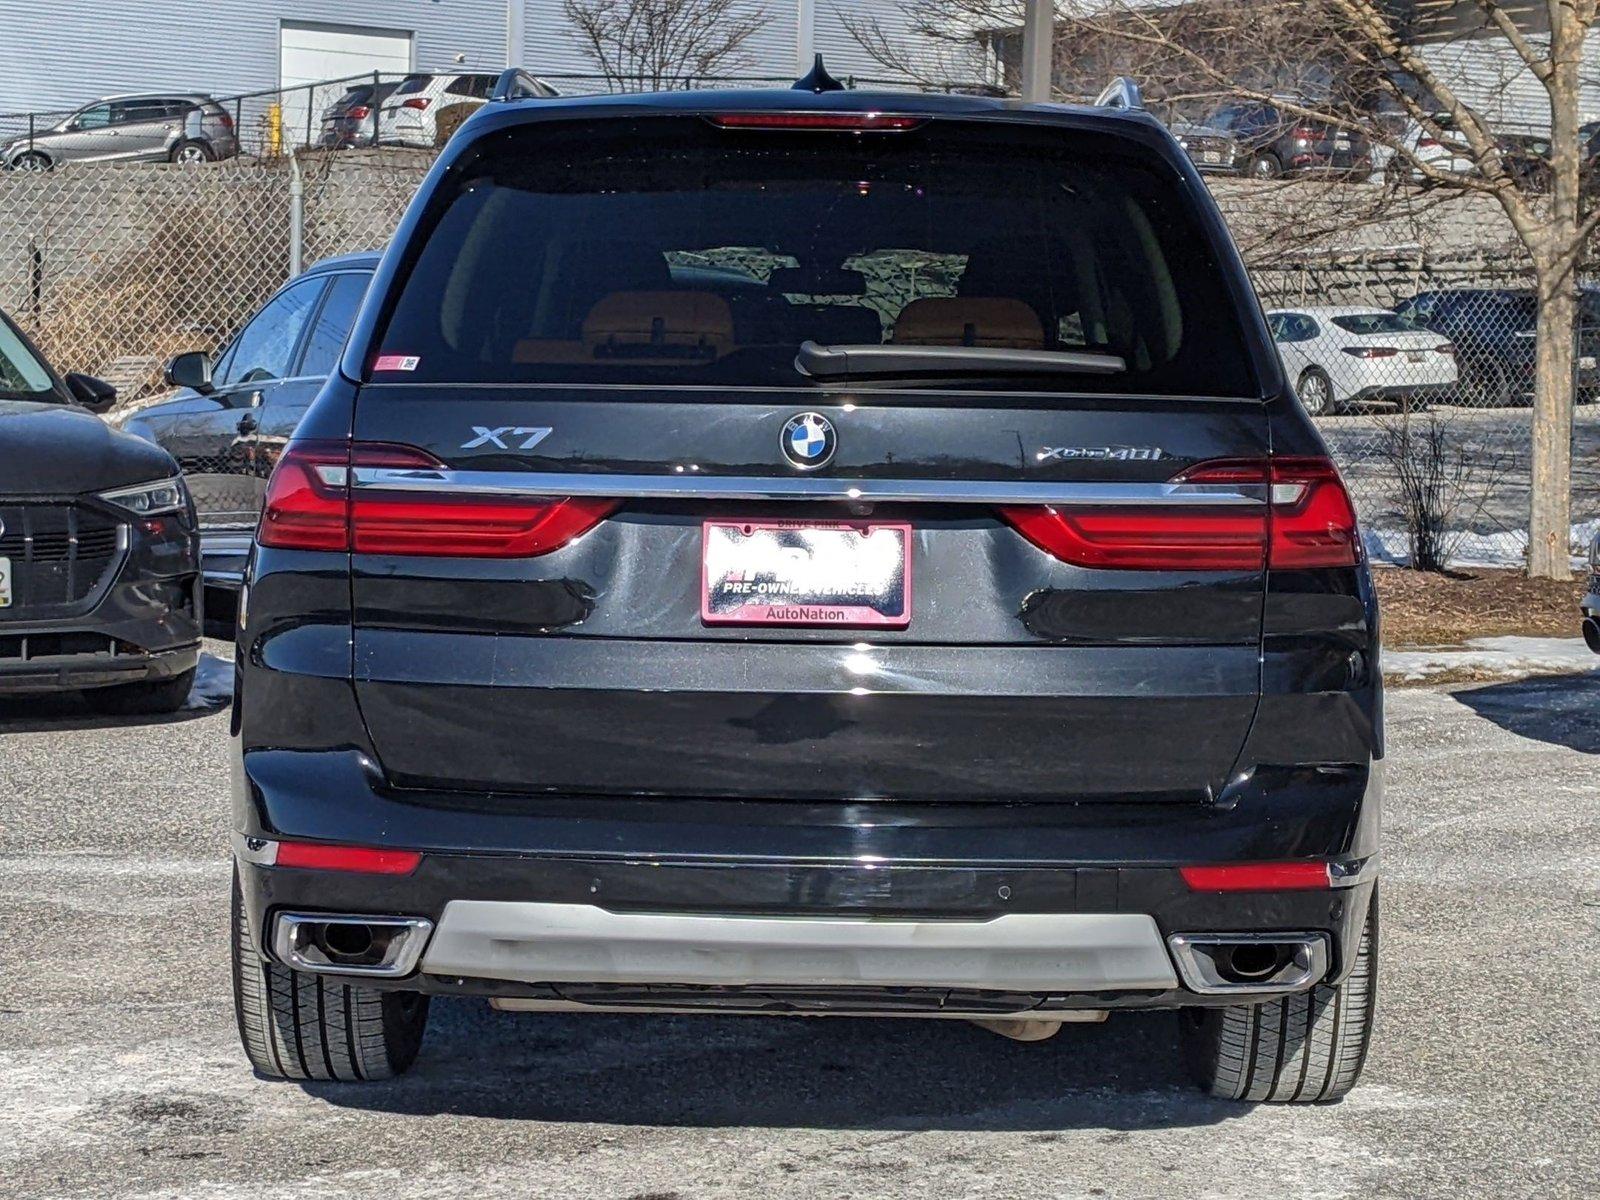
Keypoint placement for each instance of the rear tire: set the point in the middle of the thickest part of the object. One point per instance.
(142, 699)
(299, 1026)
(1315, 390)
(1266, 166)
(33, 161)
(192, 153)
(1307, 1048)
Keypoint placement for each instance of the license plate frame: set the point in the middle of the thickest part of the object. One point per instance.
(5, 583)
(762, 544)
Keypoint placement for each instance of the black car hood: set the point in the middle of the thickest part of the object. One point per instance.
(56, 449)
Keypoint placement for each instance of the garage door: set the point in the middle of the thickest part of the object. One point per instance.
(311, 53)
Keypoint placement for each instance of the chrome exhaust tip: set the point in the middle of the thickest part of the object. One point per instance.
(340, 944)
(1216, 963)
(1591, 633)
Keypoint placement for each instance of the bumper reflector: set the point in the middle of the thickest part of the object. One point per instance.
(1258, 877)
(320, 856)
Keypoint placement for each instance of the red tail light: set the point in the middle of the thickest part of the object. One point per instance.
(1370, 351)
(1428, 143)
(321, 856)
(882, 122)
(417, 102)
(225, 120)
(1258, 877)
(1307, 523)
(311, 506)
(358, 112)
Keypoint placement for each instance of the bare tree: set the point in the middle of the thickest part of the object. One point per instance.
(1440, 484)
(1360, 66)
(647, 45)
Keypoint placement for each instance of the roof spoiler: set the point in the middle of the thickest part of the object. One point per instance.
(1121, 92)
(514, 84)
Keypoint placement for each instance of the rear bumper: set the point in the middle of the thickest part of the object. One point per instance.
(1406, 393)
(683, 904)
(737, 935)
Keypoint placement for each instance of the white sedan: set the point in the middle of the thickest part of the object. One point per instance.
(1341, 357)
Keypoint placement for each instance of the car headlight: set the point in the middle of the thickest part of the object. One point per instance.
(150, 499)
(1594, 554)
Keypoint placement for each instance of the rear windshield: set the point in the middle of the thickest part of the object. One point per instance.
(1377, 322)
(669, 251)
(412, 83)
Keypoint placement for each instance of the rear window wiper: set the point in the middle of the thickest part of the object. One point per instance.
(832, 362)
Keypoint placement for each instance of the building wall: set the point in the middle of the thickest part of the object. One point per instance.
(56, 54)
(551, 44)
(1489, 75)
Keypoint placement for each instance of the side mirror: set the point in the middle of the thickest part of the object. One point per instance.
(192, 370)
(94, 394)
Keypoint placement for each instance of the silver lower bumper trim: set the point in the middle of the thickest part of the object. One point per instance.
(580, 943)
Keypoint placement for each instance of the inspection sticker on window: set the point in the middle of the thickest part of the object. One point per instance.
(396, 362)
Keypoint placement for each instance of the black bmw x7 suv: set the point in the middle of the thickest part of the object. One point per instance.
(810, 552)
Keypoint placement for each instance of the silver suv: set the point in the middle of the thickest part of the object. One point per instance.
(164, 127)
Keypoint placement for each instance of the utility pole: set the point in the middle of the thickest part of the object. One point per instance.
(516, 18)
(805, 39)
(1038, 36)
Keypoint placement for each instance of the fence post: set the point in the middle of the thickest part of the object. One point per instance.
(297, 216)
(376, 81)
(311, 101)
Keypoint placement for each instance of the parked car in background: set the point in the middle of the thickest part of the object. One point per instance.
(1271, 142)
(426, 107)
(99, 572)
(1341, 357)
(1494, 330)
(352, 119)
(1442, 149)
(1212, 149)
(152, 127)
(230, 417)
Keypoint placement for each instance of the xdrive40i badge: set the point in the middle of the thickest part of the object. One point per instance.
(808, 440)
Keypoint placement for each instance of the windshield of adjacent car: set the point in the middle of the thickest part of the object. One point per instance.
(1374, 322)
(22, 375)
(667, 251)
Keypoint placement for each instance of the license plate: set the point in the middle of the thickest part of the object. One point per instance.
(1341, 143)
(1414, 356)
(5, 583)
(1211, 156)
(806, 573)
(1586, 362)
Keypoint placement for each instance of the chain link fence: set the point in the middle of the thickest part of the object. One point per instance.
(1409, 336)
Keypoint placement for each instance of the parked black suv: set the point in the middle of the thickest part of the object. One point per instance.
(810, 552)
(1494, 332)
(230, 417)
(99, 579)
(1269, 142)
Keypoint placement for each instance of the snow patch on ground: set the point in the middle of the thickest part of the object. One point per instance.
(1500, 548)
(1493, 655)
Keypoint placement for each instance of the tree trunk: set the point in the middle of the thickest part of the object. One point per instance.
(1555, 376)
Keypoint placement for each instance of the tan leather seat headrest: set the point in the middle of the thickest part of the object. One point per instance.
(662, 325)
(997, 322)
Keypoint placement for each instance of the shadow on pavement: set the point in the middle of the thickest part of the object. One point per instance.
(57, 711)
(1563, 710)
(818, 1073)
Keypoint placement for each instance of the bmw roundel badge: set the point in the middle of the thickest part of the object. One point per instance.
(808, 440)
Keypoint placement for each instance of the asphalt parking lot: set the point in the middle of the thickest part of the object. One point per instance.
(120, 1074)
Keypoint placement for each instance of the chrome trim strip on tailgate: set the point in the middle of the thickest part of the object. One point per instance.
(745, 487)
(537, 942)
